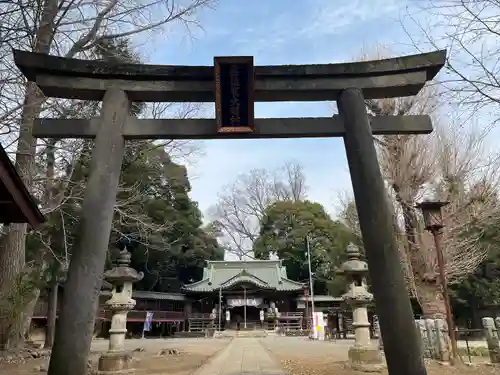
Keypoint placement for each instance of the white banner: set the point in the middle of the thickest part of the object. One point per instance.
(147, 322)
(318, 325)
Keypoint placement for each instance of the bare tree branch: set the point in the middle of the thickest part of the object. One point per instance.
(240, 207)
(470, 30)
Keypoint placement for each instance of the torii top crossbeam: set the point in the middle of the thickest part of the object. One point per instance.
(395, 77)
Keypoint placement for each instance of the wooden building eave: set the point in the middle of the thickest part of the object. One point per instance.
(264, 274)
(17, 204)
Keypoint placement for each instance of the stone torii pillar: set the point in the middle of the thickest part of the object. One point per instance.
(92, 245)
(393, 306)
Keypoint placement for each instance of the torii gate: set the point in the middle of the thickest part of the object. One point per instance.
(117, 85)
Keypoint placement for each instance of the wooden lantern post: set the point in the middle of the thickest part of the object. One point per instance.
(433, 221)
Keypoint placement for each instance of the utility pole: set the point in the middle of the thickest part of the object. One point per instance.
(245, 308)
(220, 306)
(306, 294)
(310, 281)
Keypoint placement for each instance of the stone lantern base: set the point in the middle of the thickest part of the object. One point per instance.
(115, 364)
(365, 358)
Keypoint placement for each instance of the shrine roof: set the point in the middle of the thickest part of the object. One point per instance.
(264, 274)
(142, 294)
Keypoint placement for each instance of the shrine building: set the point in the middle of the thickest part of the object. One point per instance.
(255, 295)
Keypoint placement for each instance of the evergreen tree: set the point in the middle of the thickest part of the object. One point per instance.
(481, 288)
(283, 229)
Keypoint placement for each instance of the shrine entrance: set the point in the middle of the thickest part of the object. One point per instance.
(244, 318)
(244, 302)
(234, 84)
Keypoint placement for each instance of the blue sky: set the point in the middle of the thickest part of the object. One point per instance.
(282, 32)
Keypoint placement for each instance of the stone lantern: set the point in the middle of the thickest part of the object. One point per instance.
(363, 352)
(117, 360)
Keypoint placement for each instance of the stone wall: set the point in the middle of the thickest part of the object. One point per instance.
(434, 338)
(492, 331)
(436, 343)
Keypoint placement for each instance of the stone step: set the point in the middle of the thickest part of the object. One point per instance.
(225, 334)
(235, 333)
(255, 333)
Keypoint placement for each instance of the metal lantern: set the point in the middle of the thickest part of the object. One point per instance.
(433, 216)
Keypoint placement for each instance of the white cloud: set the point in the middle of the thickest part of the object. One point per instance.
(312, 31)
(335, 18)
(318, 28)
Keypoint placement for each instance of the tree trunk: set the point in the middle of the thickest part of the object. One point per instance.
(20, 319)
(13, 255)
(28, 313)
(11, 263)
(51, 315)
(431, 300)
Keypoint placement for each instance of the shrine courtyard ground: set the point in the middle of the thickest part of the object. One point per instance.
(266, 356)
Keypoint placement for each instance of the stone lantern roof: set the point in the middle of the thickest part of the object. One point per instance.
(122, 272)
(354, 265)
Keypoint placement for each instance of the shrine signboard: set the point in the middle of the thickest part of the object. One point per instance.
(236, 302)
(234, 94)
